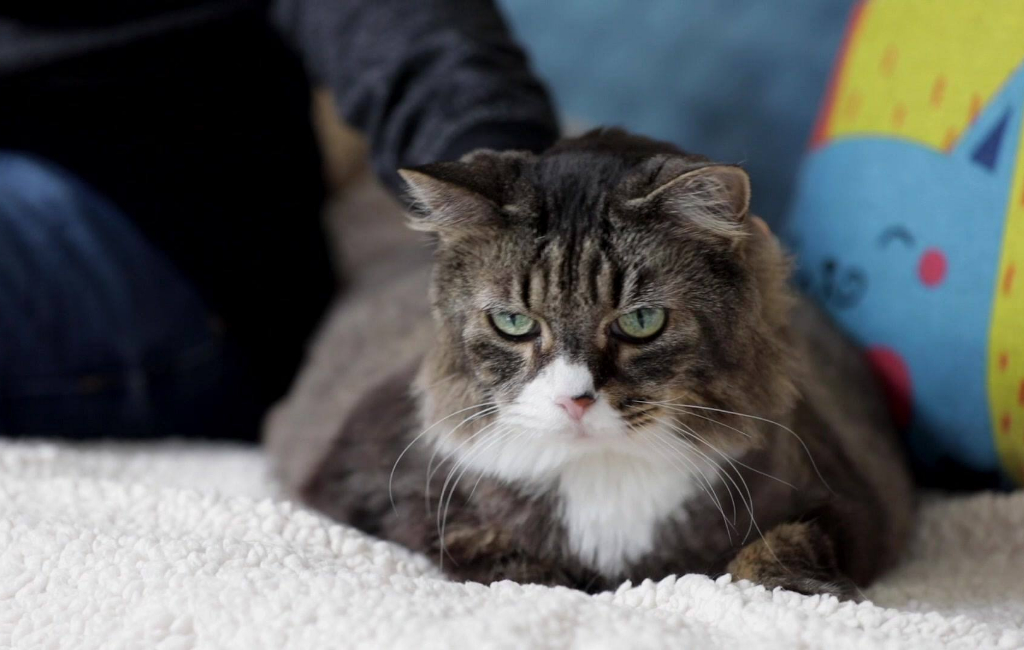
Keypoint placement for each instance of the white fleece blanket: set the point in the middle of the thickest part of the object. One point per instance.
(180, 546)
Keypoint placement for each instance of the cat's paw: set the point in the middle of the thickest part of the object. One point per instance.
(838, 586)
(798, 557)
(489, 554)
(472, 543)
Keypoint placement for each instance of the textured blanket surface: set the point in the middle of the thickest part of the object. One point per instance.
(178, 546)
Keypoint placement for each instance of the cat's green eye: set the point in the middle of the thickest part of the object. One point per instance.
(514, 325)
(640, 324)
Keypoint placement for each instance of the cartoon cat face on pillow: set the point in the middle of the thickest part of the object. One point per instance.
(904, 244)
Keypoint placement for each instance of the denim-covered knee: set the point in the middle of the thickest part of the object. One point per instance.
(61, 297)
(86, 302)
(28, 182)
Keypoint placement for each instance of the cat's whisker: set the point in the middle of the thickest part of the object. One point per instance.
(431, 469)
(732, 464)
(468, 442)
(486, 470)
(741, 463)
(440, 500)
(432, 472)
(523, 433)
(807, 449)
(464, 462)
(517, 434)
(747, 501)
(666, 444)
(686, 411)
(437, 447)
(709, 490)
(391, 478)
(687, 451)
(657, 440)
(518, 417)
(734, 459)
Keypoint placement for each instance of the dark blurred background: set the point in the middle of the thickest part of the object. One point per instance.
(196, 144)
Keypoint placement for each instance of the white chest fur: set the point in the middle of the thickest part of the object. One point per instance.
(615, 486)
(612, 505)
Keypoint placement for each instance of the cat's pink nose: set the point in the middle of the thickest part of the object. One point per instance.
(576, 406)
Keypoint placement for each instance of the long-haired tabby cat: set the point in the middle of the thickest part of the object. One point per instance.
(620, 385)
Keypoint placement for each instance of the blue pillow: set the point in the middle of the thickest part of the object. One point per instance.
(908, 222)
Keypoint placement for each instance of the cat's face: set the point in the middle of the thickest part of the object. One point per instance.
(594, 304)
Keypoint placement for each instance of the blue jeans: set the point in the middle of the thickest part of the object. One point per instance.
(99, 334)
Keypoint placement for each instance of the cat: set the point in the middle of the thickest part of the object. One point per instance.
(617, 384)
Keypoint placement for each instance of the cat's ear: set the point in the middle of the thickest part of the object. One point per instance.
(712, 198)
(464, 198)
(445, 201)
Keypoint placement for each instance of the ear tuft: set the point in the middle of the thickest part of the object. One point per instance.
(714, 198)
(444, 204)
(464, 199)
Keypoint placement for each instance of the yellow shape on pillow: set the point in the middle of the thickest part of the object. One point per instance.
(922, 70)
(1006, 336)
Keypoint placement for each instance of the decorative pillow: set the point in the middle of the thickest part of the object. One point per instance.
(908, 220)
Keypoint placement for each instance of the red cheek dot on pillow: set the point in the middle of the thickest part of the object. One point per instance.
(932, 267)
(893, 374)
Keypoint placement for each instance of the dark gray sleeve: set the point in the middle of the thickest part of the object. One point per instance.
(424, 80)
